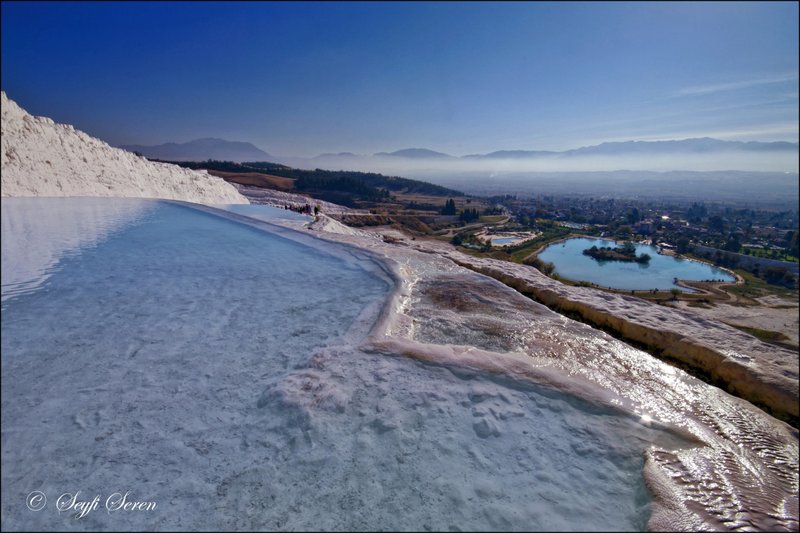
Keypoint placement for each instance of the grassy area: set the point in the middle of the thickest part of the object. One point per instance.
(437, 201)
(256, 179)
(755, 287)
(548, 235)
(763, 334)
(412, 224)
(765, 254)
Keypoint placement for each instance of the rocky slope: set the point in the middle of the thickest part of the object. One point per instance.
(42, 158)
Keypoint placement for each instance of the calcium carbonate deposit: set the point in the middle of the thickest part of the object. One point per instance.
(198, 358)
(42, 158)
(265, 373)
(739, 466)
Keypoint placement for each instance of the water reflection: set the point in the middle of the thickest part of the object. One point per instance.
(658, 273)
(37, 233)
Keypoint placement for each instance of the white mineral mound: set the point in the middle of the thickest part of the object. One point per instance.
(42, 158)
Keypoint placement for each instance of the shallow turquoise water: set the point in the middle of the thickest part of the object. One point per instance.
(150, 347)
(659, 273)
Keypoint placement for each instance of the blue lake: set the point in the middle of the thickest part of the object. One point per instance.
(659, 273)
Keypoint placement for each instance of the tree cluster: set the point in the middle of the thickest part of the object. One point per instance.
(779, 276)
(545, 267)
(469, 215)
(626, 252)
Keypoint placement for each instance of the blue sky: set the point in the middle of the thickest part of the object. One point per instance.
(305, 78)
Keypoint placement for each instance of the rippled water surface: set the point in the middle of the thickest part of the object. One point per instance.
(215, 368)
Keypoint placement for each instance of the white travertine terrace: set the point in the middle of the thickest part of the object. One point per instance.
(261, 196)
(740, 469)
(42, 158)
(745, 366)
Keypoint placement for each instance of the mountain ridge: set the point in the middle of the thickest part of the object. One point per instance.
(691, 145)
(201, 149)
(206, 148)
(416, 153)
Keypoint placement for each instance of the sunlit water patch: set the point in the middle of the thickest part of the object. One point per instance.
(659, 273)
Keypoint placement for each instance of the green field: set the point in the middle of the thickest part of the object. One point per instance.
(755, 287)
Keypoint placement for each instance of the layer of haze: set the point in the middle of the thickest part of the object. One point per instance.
(782, 161)
(299, 79)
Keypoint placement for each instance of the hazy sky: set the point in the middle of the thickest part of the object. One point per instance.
(304, 78)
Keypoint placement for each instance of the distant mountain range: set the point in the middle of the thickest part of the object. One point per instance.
(202, 150)
(686, 154)
(415, 153)
(701, 145)
(684, 146)
(340, 154)
(512, 154)
(701, 154)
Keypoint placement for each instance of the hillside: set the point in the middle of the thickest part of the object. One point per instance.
(348, 188)
(42, 158)
(415, 153)
(323, 177)
(201, 150)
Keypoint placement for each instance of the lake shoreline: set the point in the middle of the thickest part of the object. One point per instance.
(575, 271)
